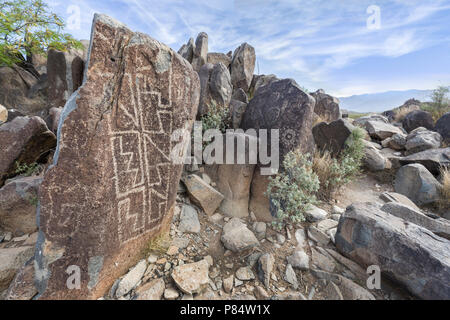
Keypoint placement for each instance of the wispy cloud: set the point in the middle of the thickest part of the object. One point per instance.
(313, 41)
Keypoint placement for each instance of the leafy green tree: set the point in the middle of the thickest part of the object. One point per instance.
(439, 97)
(28, 27)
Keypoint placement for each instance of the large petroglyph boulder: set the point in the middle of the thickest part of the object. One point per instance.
(281, 105)
(113, 185)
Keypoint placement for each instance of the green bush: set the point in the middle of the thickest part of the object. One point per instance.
(292, 191)
(27, 170)
(216, 118)
(27, 27)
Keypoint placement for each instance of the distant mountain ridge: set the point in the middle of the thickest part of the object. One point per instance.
(378, 102)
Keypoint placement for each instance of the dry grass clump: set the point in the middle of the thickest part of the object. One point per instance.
(445, 189)
(333, 173)
(322, 166)
(158, 245)
(401, 113)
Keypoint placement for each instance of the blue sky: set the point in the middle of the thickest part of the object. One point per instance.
(321, 44)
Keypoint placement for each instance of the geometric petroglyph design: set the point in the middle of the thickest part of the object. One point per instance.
(141, 145)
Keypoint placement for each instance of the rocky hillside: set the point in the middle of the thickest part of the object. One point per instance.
(93, 207)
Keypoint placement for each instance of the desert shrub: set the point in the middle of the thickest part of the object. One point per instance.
(292, 191)
(27, 27)
(439, 97)
(216, 118)
(333, 173)
(445, 188)
(436, 111)
(27, 170)
(440, 103)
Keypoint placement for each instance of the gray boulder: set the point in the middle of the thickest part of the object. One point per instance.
(443, 127)
(216, 87)
(417, 183)
(406, 252)
(259, 81)
(237, 111)
(416, 119)
(281, 105)
(432, 159)
(439, 226)
(242, 66)
(327, 107)
(187, 50)
(333, 136)
(240, 95)
(380, 130)
(200, 55)
(373, 159)
(216, 57)
(361, 122)
(421, 139)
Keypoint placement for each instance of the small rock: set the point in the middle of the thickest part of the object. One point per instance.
(173, 250)
(337, 210)
(216, 218)
(291, 277)
(321, 261)
(228, 284)
(280, 238)
(327, 224)
(171, 294)
(332, 234)
(336, 217)
(237, 237)
(260, 230)
(210, 260)
(153, 290)
(202, 194)
(245, 274)
(260, 293)
(191, 278)
(318, 236)
(238, 282)
(189, 220)
(300, 236)
(180, 242)
(299, 260)
(265, 267)
(315, 214)
(131, 279)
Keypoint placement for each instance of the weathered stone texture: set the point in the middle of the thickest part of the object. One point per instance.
(112, 186)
